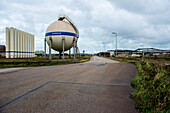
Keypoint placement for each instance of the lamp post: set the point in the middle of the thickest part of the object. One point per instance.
(116, 42)
(142, 52)
(104, 48)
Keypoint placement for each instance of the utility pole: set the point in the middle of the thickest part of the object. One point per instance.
(104, 48)
(116, 43)
(142, 52)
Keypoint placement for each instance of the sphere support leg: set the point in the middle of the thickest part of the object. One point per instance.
(44, 48)
(63, 46)
(74, 49)
(50, 49)
(70, 53)
(60, 55)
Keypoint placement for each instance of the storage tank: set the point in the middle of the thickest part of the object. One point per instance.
(59, 30)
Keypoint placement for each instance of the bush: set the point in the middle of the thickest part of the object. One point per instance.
(152, 87)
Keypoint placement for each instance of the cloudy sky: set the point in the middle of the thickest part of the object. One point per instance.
(138, 23)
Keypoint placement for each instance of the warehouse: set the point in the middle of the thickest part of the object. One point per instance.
(2, 51)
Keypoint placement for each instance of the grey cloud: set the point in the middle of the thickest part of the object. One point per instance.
(145, 7)
(134, 21)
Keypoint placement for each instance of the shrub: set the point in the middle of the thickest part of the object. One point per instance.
(152, 87)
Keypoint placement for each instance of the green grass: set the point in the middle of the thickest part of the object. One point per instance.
(123, 60)
(152, 87)
(31, 62)
(31, 59)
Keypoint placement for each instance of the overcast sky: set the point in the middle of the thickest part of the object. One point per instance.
(137, 22)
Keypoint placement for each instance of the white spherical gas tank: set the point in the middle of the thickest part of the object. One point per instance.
(59, 30)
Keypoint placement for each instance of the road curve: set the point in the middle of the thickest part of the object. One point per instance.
(98, 86)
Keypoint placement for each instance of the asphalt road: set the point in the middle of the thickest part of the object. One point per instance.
(98, 86)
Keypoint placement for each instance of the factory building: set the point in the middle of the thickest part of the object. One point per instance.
(2, 51)
(19, 44)
(138, 52)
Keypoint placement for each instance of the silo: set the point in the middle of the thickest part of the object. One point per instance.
(15, 43)
(23, 40)
(33, 45)
(28, 51)
(18, 43)
(25, 44)
(21, 43)
(7, 43)
(12, 42)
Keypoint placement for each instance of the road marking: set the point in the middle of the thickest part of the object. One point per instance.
(22, 96)
(93, 64)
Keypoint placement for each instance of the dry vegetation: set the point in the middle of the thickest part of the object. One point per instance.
(40, 61)
(152, 86)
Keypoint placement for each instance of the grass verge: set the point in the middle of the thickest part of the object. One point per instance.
(35, 62)
(152, 87)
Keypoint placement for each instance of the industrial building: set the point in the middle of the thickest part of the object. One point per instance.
(2, 51)
(138, 52)
(19, 44)
(153, 51)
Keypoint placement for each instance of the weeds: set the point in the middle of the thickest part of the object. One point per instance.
(35, 62)
(152, 87)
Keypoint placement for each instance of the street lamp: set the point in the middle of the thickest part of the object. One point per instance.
(104, 48)
(142, 52)
(116, 42)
